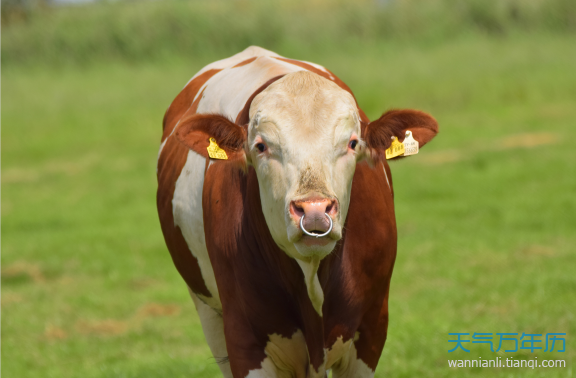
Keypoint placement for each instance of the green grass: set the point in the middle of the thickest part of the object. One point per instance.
(486, 213)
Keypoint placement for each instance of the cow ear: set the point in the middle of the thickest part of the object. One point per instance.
(197, 130)
(378, 134)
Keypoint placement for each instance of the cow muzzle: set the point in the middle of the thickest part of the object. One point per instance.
(314, 233)
(315, 216)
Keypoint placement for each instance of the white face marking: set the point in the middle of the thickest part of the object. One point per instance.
(306, 122)
(187, 210)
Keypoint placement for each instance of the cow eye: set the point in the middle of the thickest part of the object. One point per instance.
(261, 147)
(353, 144)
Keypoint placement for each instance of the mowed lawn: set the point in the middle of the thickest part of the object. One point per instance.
(486, 212)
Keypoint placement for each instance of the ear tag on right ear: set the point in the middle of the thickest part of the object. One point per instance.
(395, 149)
(410, 144)
(215, 152)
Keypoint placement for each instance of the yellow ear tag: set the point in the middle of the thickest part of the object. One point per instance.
(410, 144)
(396, 149)
(215, 152)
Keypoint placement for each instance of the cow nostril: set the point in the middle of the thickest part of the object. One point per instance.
(329, 207)
(297, 209)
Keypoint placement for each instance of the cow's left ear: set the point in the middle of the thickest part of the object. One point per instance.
(378, 134)
(200, 131)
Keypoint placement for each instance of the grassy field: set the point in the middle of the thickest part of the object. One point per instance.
(486, 213)
(156, 31)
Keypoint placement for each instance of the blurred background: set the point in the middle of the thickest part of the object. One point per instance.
(486, 213)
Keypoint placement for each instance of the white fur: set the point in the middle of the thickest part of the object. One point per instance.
(213, 327)
(310, 268)
(286, 358)
(247, 53)
(187, 209)
(227, 91)
(345, 362)
(386, 175)
(336, 351)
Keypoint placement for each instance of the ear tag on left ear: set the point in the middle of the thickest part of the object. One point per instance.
(410, 144)
(215, 152)
(395, 149)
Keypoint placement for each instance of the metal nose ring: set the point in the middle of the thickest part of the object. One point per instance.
(316, 235)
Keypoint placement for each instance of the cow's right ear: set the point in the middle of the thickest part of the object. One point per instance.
(195, 132)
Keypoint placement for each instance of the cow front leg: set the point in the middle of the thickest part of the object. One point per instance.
(351, 365)
(362, 358)
(213, 327)
(271, 356)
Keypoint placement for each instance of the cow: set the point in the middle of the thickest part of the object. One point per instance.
(276, 203)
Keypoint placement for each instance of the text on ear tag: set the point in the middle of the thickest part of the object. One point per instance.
(395, 149)
(410, 144)
(215, 152)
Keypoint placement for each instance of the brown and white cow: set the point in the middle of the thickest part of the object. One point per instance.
(273, 301)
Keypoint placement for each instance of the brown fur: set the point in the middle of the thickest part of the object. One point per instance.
(244, 115)
(196, 130)
(378, 134)
(245, 62)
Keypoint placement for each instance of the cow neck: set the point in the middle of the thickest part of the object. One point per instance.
(288, 272)
(310, 267)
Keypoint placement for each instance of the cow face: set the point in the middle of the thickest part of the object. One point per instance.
(304, 139)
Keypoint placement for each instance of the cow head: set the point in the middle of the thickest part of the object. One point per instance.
(304, 139)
